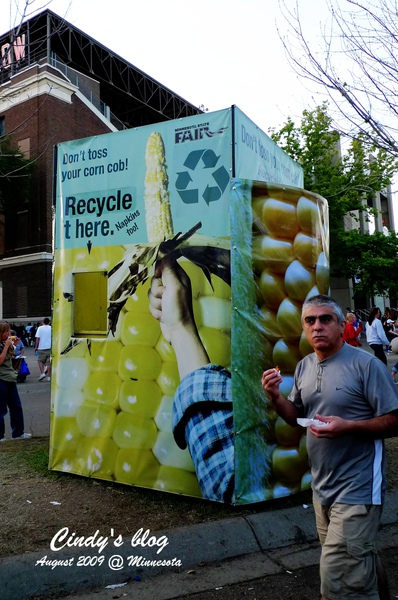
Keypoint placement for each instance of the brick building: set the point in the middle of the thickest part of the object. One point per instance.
(59, 84)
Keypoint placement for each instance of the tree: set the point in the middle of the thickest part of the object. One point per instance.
(349, 182)
(364, 85)
(15, 180)
(20, 12)
(15, 170)
(372, 259)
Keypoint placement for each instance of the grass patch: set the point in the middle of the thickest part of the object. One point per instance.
(25, 457)
(38, 462)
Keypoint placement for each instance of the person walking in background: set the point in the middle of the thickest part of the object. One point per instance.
(386, 316)
(351, 333)
(385, 321)
(375, 334)
(43, 349)
(28, 338)
(389, 327)
(354, 403)
(9, 397)
(19, 347)
(32, 335)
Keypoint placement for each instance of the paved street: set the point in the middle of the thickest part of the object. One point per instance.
(248, 577)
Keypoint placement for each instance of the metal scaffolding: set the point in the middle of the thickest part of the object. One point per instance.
(132, 96)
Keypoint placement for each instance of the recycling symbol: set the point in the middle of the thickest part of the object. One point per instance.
(202, 168)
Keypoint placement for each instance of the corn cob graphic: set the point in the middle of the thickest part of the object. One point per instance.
(159, 222)
(211, 254)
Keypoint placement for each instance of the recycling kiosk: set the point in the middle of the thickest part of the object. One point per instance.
(183, 253)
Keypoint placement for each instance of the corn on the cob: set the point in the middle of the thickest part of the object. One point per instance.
(159, 222)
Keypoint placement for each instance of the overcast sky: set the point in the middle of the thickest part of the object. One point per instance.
(214, 52)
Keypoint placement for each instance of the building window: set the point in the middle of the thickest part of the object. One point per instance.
(90, 303)
(22, 301)
(22, 229)
(2, 126)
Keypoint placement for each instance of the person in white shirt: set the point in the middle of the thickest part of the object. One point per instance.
(375, 334)
(43, 349)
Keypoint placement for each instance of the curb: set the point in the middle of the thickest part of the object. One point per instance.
(226, 539)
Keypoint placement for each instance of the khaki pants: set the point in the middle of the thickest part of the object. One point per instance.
(348, 561)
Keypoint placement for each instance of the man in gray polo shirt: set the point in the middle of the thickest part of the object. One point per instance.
(355, 402)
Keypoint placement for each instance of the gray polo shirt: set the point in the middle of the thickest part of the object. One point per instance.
(354, 385)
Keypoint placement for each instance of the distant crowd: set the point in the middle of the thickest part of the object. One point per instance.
(26, 333)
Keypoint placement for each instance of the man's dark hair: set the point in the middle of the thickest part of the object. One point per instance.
(46, 320)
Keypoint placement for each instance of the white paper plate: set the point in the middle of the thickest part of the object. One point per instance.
(308, 422)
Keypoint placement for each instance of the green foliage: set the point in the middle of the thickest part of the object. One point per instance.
(348, 181)
(15, 174)
(373, 259)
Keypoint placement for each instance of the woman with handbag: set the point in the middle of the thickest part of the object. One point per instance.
(19, 363)
(9, 397)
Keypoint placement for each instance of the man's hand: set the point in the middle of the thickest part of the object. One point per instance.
(335, 427)
(271, 381)
(377, 428)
